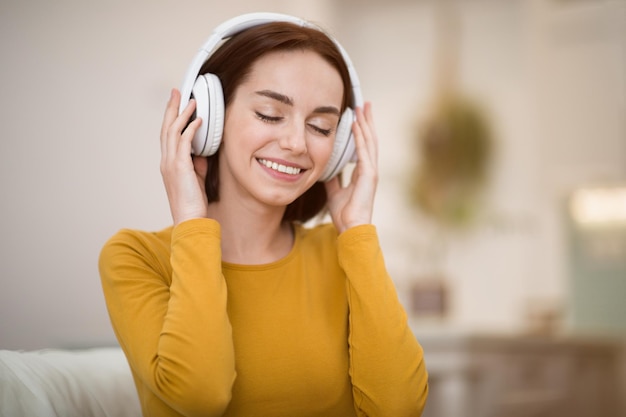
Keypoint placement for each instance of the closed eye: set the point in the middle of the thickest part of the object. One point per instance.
(275, 119)
(266, 118)
(325, 132)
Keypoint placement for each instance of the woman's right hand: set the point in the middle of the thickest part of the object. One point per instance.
(183, 174)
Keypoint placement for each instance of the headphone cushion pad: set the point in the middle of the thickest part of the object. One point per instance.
(343, 149)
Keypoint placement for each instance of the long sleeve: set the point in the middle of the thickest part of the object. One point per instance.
(387, 368)
(167, 300)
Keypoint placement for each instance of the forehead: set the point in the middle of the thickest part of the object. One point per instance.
(296, 71)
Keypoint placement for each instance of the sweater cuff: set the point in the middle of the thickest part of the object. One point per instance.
(358, 233)
(206, 226)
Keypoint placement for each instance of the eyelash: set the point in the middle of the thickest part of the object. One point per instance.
(271, 119)
(325, 132)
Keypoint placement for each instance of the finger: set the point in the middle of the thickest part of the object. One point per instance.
(185, 143)
(184, 118)
(366, 123)
(171, 112)
(332, 185)
(201, 166)
(371, 126)
(173, 135)
(362, 148)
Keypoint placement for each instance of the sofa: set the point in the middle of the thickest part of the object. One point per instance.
(93, 382)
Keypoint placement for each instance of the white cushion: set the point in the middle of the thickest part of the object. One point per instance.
(68, 383)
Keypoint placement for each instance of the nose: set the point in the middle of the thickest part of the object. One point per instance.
(293, 138)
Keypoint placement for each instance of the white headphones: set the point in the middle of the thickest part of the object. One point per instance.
(206, 89)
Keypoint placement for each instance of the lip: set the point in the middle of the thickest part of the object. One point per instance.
(284, 165)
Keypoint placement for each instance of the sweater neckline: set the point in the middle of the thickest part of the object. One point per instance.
(297, 236)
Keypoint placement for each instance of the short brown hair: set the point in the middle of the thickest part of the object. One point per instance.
(232, 63)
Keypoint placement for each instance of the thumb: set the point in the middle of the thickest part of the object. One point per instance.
(201, 166)
(332, 186)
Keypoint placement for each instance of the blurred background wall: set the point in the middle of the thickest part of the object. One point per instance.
(83, 88)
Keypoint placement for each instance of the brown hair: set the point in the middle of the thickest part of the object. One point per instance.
(232, 63)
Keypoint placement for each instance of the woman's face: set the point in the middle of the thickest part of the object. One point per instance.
(280, 128)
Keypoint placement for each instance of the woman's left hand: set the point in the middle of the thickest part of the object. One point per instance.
(353, 204)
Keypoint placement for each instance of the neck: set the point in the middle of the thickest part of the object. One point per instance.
(252, 237)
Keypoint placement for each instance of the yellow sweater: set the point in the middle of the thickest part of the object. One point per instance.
(318, 333)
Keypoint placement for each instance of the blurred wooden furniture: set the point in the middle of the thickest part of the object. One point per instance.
(530, 376)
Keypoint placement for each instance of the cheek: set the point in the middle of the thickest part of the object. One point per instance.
(321, 150)
(238, 134)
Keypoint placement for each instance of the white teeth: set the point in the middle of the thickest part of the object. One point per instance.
(280, 168)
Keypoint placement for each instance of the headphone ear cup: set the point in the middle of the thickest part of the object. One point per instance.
(344, 148)
(209, 97)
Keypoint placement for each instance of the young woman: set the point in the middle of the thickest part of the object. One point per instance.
(238, 309)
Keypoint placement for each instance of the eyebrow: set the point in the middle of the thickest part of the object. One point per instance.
(289, 101)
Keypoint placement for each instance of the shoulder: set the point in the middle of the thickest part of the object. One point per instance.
(138, 239)
(151, 247)
(133, 246)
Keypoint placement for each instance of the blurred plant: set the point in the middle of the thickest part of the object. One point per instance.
(454, 146)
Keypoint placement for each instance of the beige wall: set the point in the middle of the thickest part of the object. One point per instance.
(82, 93)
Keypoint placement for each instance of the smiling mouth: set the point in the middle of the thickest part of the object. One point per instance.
(279, 167)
